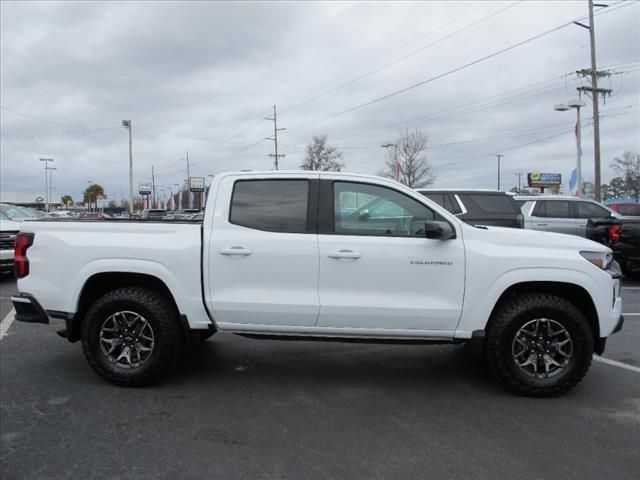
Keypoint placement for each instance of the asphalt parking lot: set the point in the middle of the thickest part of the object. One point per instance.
(241, 408)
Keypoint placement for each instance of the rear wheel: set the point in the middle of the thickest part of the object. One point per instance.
(539, 345)
(131, 336)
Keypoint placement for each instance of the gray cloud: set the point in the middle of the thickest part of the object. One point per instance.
(189, 75)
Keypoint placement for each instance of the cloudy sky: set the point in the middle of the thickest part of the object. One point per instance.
(201, 76)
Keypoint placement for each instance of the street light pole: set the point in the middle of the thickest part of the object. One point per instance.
(127, 124)
(499, 157)
(395, 157)
(51, 169)
(46, 181)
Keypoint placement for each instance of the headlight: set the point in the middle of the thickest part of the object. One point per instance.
(599, 259)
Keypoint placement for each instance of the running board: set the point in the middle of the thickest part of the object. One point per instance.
(383, 341)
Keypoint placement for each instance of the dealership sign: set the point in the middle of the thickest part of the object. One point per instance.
(144, 188)
(542, 180)
(196, 184)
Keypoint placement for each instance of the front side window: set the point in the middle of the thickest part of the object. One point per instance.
(591, 210)
(272, 205)
(362, 209)
(552, 209)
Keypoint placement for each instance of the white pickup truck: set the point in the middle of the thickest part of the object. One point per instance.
(293, 255)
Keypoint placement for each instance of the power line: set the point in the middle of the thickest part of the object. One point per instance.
(75, 132)
(399, 59)
(449, 72)
(564, 132)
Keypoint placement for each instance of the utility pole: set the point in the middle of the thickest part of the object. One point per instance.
(153, 188)
(594, 74)
(499, 157)
(127, 125)
(188, 171)
(46, 181)
(519, 175)
(51, 169)
(275, 154)
(396, 158)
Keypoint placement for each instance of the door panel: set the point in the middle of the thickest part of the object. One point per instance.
(258, 276)
(379, 271)
(553, 216)
(399, 283)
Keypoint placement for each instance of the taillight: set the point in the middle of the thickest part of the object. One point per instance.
(20, 260)
(614, 233)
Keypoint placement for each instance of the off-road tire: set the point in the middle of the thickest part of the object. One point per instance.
(161, 316)
(515, 313)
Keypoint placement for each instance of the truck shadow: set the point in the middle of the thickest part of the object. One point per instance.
(231, 359)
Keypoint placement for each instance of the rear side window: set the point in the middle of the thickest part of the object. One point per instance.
(489, 203)
(631, 210)
(591, 210)
(444, 200)
(272, 205)
(552, 209)
(436, 197)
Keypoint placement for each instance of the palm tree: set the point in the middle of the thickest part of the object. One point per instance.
(92, 192)
(66, 200)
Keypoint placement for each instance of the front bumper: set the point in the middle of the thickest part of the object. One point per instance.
(28, 309)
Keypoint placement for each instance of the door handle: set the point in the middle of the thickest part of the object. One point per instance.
(541, 224)
(582, 225)
(344, 254)
(235, 251)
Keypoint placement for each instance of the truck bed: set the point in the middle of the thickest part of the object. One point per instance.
(66, 252)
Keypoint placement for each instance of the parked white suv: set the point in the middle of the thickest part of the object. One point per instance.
(292, 255)
(561, 214)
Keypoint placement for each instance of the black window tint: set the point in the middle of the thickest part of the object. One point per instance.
(436, 197)
(591, 210)
(362, 209)
(273, 205)
(552, 209)
(490, 203)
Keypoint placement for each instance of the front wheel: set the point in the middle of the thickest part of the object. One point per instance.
(131, 336)
(539, 345)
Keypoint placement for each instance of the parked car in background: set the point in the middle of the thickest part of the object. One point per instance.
(555, 213)
(478, 207)
(622, 235)
(153, 213)
(628, 209)
(10, 219)
(31, 212)
(94, 216)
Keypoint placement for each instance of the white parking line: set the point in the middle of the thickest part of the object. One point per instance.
(631, 314)
(6, 323)
(614, 363)
(631, 288)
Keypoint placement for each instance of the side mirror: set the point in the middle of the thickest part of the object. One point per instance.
(364, 215)
(438, 230)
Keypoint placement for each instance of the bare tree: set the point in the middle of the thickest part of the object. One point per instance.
(409, 151)
(629, 167)
(322, 156)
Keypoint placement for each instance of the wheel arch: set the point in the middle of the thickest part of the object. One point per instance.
(100, 283)
(575, 294)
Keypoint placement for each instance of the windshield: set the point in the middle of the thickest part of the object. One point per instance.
(12, 212)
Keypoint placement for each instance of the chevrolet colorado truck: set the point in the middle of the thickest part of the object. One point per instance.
(282, 255)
